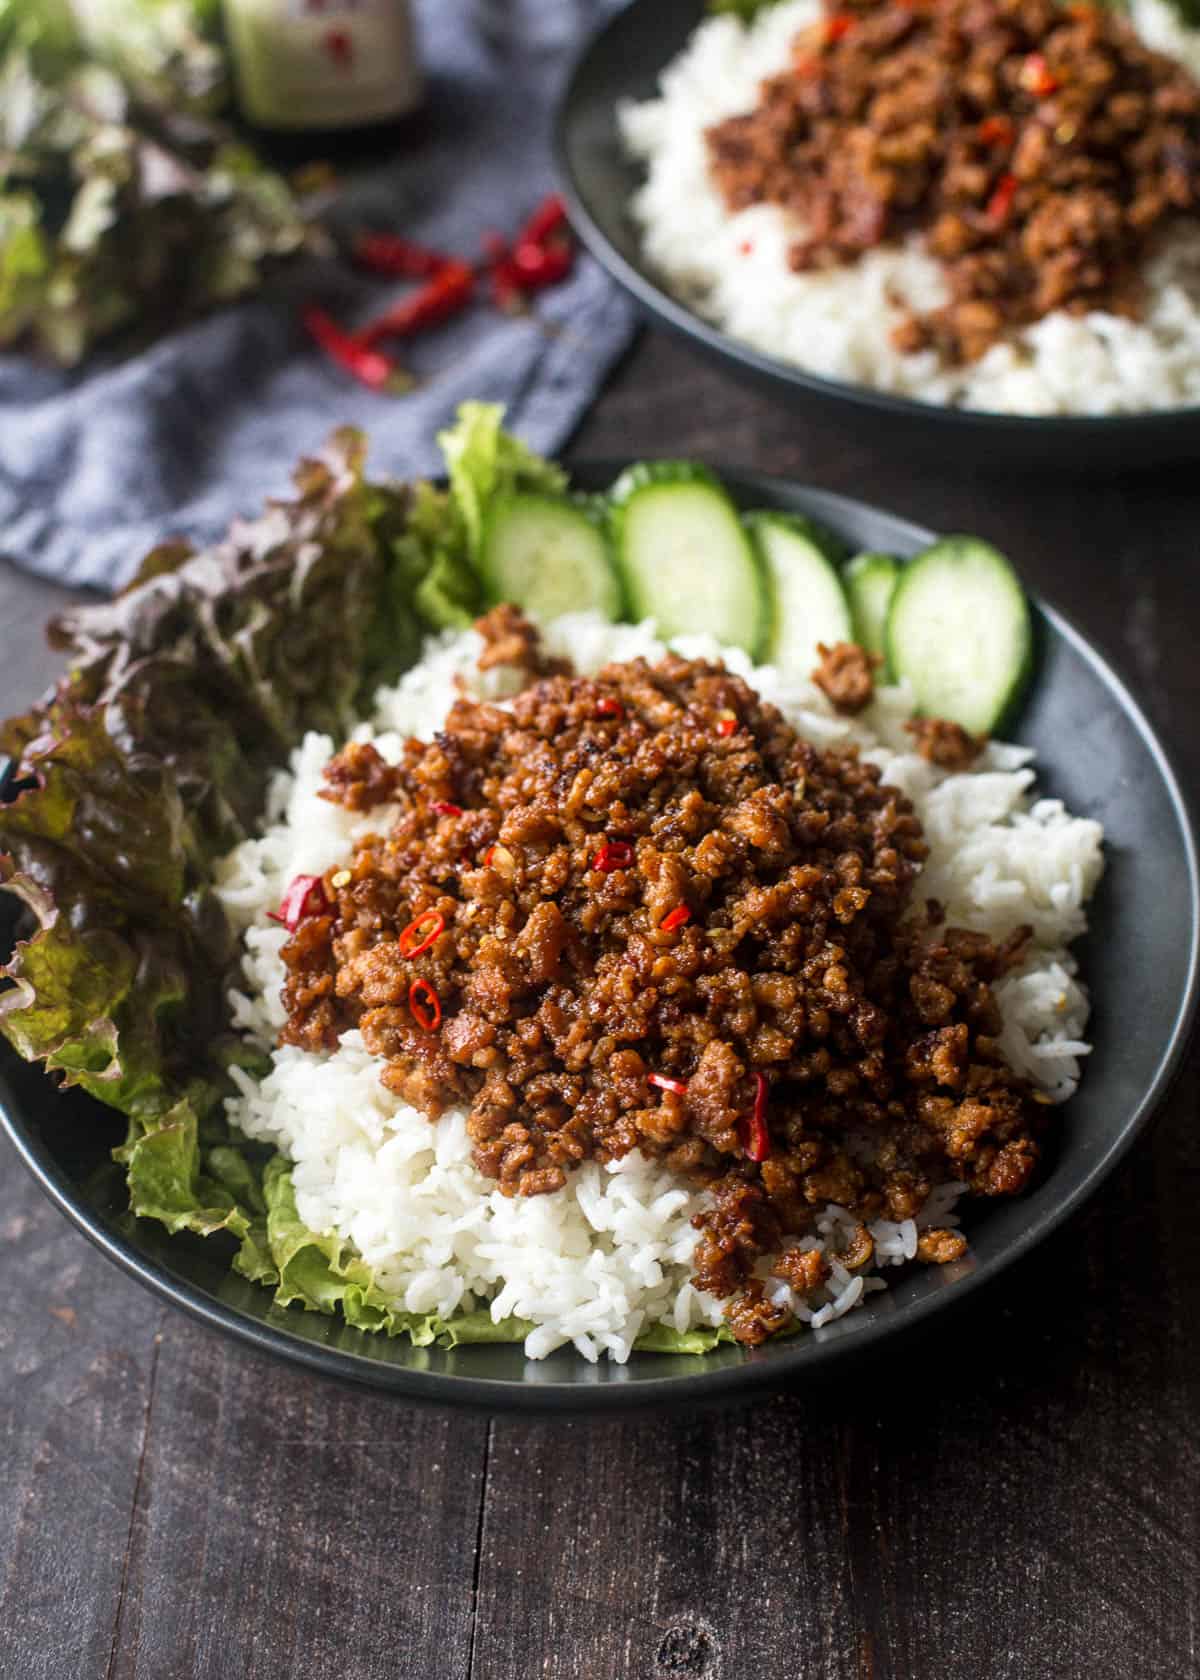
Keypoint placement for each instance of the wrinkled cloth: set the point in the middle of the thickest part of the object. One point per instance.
(99, 464)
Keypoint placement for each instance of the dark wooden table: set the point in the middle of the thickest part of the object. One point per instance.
(1019, 1499)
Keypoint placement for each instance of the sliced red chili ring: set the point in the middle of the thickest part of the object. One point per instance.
(996, 131)
(675, 919)
(425, 1006)
(726, 725)
(1036, 76)
(305, 896)
(446, 808)
(614, 854)
(421, 932)
(609, 706)
(1000, 203)
(755, 1138)
(666, 1083)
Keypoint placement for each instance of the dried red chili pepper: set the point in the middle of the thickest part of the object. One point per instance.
(305, 897)
(613, 854)
(507, 294)
(666, 1083)
(549, 217)
(425, 1006)
(421, 932)
(608, 706)
(542, 265)
(357, 356)
(1000, 204)
(441, 298)
(446, 808)
(389, 253)
(755, 1138)
(675, 919)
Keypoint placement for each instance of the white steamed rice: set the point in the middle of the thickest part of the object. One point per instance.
(733, 268)
(609, 1254)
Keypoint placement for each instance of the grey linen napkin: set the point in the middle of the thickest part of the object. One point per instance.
(98, 465)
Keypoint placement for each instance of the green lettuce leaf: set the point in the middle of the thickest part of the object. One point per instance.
(664, 1338)
(324, 1274)
(125, 202)
(484, 460)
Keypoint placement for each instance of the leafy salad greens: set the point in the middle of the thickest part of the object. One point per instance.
(123, 198)
(151, 759)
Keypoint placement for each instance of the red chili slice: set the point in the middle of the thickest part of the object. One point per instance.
(1037, 78)
(838, 26)
(425, 1006)
(755, 1138)
(614, 854)
(675, 919)
(421, 932)
(996, 131)
(609, 706)
(305, 897)
(446, 808)
(666, 1083)
(726, 725)
(1000, 204)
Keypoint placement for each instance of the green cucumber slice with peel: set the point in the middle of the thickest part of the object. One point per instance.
(808, 603)
(959, 632)
(870, 581)
(684, 556)
(548, 554)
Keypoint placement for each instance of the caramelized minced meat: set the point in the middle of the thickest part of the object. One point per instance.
(944, 743)
(510, 639)
(546, 848)
(846, 675)
(1037, 148)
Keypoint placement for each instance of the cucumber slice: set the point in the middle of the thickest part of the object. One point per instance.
(808, 602)
(959, 631)
(549, 555)
(870, 581)
(684, 558)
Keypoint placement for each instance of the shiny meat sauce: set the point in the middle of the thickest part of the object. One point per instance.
(639, 911)
(1039, 149)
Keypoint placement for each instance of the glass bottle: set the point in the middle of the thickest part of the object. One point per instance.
(313, 69)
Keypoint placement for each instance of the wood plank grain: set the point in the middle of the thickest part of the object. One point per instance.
(76, 1352)
(285, 1528)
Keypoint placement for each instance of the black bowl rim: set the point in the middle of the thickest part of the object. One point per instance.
(672, 313)
(730, 1383)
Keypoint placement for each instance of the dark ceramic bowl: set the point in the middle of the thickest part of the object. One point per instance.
(1096, 751)
(624, 62)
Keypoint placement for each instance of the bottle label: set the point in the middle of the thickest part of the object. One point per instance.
(323, 63)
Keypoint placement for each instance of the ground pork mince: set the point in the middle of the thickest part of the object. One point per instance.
(1038, 147)
(639, 911)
